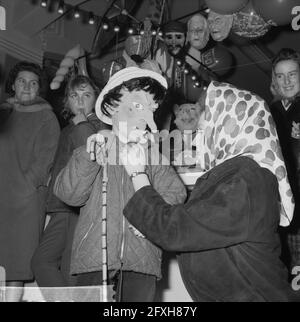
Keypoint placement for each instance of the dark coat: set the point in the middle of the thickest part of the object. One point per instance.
(283, 120)
(290, 147)
(28, 142)
(226, 233)
(71, 137)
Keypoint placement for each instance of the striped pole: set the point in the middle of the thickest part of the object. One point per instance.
(104, 229)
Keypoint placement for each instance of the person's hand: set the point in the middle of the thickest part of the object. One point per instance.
(295, 130)
(79, 117)
(96, 147)
(133, 158)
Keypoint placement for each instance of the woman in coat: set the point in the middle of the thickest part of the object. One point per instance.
(28, 141)
(51, 261)
(226, 233)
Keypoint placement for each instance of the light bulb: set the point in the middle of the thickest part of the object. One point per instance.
(116, 28)
(61, 7)
(91, 18)
(44, 3)
(76, 13)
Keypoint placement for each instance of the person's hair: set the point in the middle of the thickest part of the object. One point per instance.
(21, 67)
(286, 54)
(72, 84)
(146, 84)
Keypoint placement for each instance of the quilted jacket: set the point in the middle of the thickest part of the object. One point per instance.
(80, 184)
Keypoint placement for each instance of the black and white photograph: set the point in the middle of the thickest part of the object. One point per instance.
(149, 153)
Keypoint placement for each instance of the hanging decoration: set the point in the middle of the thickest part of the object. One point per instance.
(75, 54)
(278, 11)
(247, 23)
(197, 39)
(109, 68)
(138, 46)
(225, 7)
(64, 9)
(174, 37)
(219, 25)
(77, 12)
(197, 31)
(216, 61)
(157, 11)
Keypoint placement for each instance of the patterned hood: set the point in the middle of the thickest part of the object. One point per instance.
(238, 122)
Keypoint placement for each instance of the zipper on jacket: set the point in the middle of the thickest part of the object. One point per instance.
(85, 236)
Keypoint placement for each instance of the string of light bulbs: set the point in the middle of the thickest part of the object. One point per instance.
(63, 9)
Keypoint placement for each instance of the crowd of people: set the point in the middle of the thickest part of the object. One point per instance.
(236, 232)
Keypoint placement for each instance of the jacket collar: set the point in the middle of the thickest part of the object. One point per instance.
(39, 104)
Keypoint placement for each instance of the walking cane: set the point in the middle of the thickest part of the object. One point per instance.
(104, 228)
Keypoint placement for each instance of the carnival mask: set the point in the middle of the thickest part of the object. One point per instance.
(133, 115)
(187, 116)
(198, 33)
(175, 42)
(219, 25)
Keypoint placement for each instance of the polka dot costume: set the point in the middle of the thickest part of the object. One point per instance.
(238, 122)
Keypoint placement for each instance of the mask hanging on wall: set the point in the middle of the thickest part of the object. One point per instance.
(174, 37)
(198, 32)
(219, 25)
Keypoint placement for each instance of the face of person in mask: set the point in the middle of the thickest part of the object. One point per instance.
(287, 78)
(133, 114)
(175, 41)
(198, 33)
(219, 25)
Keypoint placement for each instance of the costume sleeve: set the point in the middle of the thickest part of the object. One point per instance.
(44, 150)
(74, 182)
(81, 132)
(168, 184)
(63, 154)
(69, 141)
(216, 219)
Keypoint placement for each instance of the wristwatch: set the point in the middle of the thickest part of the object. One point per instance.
(136, 173)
